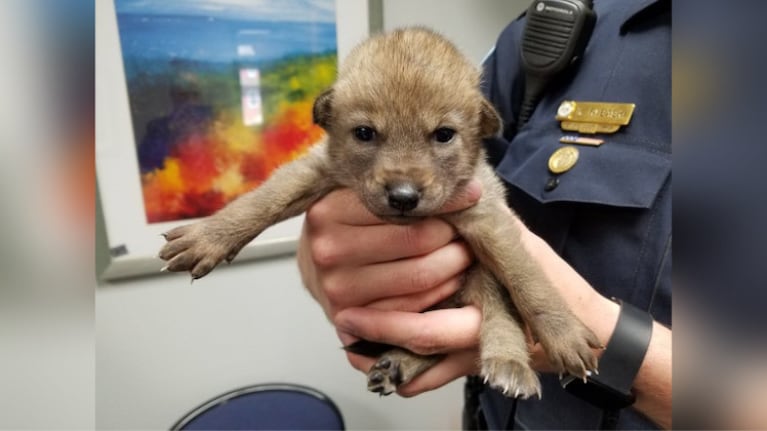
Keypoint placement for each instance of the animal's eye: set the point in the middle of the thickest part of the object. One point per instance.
(444, 134)
(364, 133)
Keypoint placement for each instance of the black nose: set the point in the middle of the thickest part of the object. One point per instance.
(403, 197)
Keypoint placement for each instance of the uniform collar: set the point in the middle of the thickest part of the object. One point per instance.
(640, 11)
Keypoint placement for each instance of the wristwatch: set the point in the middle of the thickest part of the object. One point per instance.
(619, 364)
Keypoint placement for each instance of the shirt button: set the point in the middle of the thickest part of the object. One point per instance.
(551, 184)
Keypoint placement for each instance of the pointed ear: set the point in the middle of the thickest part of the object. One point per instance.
(322, 111)
(489, 121)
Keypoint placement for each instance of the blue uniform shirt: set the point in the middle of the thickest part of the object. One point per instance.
(610, 215)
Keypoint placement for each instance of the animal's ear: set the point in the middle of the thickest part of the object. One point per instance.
(489, 121)
(322, 111)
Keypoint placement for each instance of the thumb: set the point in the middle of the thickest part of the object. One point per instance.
(432, 332)
(464, 198)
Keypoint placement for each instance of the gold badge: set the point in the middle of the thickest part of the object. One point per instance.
(594, 117)
(596, 112)
(563, 159)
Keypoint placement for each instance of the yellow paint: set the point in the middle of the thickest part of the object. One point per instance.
(230, 182)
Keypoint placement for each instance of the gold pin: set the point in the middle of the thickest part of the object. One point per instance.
(596, 112)
(581, 140)
(563, 159)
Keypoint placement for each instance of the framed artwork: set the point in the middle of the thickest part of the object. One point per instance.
(198, 101)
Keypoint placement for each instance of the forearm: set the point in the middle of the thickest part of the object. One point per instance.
(653, 381)
(652, 385)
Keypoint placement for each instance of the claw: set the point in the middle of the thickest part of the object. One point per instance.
(376, 377)
(516, 393)
(164, 268)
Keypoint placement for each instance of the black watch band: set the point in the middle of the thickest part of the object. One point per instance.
(619, 364)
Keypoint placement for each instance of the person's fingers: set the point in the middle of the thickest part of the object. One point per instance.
(463, 198)
(363, 285)
(359, 362)
(419, 301)
(341, 206)
(428, 333)
(346, 338)
(455, 365)
(359, 245)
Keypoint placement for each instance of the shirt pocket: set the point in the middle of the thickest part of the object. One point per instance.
(624, 171)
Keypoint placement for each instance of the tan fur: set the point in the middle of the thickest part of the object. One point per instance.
(405, 85)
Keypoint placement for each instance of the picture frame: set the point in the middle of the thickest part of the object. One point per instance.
(130, 242)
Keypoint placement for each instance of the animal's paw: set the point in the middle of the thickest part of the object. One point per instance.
(385, 375)
(197, 248)
(511, 377)
(569, 346)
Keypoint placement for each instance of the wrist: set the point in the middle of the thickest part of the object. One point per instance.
(601, 316)
(619, 364)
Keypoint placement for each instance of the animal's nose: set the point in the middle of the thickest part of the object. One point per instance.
(403, 196)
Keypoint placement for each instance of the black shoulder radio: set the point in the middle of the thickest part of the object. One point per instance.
(554, 37)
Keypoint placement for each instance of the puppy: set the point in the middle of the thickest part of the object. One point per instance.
(405, 122)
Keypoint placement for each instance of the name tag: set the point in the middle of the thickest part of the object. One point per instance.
(595, 112)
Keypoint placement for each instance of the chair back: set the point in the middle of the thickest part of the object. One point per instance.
(273, 406)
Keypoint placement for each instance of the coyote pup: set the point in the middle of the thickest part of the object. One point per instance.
(405, 122)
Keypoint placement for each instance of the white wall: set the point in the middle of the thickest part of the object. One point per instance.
(473, 25)
(164, 346)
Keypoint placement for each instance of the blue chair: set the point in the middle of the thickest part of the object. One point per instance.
(274, 406)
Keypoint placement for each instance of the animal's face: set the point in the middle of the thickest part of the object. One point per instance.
(405, 121)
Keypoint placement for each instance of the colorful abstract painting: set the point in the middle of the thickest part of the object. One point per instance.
(221, 94)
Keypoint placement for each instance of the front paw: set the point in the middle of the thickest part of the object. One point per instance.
(511, 377)
(569, 345)
(196, 248)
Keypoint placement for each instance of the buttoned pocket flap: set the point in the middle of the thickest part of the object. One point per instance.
(622, 172)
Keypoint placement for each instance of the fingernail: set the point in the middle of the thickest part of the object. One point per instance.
(346, 339)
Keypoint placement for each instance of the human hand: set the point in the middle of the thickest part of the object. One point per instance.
(350, 259)
(373, 279)
(454, 332)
